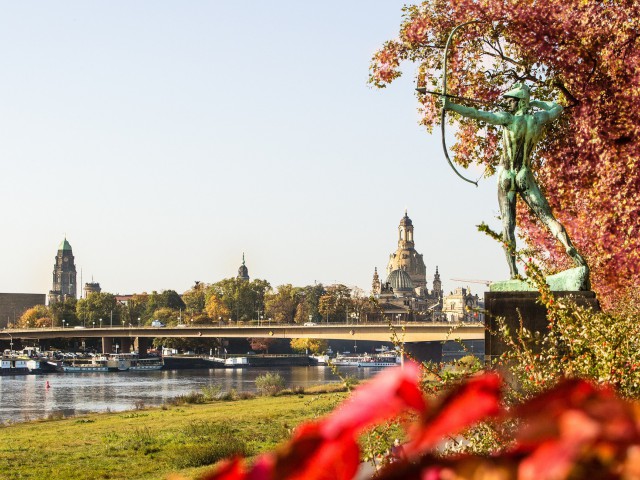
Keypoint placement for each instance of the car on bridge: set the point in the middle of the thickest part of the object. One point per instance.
(310, 324)
(157, 324)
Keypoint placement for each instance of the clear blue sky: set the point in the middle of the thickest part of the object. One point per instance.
(167, 138)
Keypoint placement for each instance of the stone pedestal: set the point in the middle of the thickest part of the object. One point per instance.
(534, 315)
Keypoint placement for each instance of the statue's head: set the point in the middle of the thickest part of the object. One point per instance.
(521, 95)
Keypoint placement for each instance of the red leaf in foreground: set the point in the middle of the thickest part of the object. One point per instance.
(311, 455)
(467, 404)
(227, 470)
(573, 423)
(391, 392)
(576, 411)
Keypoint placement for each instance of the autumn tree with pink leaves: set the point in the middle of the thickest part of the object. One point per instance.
(582, 54)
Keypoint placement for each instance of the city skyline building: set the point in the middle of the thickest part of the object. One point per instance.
(405, 292)
(64, 274)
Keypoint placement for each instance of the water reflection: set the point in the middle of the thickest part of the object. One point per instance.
(26, 397)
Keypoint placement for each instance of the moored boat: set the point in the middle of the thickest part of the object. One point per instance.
(13, 366)
(380, 362)
(144, 364)
(119, 362)
(346, 361)
(85, 365)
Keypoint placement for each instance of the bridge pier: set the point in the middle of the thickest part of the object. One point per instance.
(142, 344)
(107, 344)
(425, 351)
(125, 345)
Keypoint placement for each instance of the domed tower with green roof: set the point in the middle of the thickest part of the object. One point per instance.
(243, 271)
(64, 274)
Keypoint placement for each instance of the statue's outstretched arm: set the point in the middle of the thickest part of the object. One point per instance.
(550, 110)
(498, 118)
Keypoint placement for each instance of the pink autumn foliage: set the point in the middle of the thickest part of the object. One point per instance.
(584, 54)
(566, 432)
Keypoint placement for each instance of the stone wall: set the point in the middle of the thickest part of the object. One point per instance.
(13, 305)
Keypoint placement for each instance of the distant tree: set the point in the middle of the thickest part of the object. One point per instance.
(303, 312)
(38, 316)
(166, 315)
(308, 304)
(312, 345)
(243, 299)
(137, 307)
(335, 303)
(199, 319)
(171, 299)
(261, 344)
(164, 299)
(194, 298)
(98, 305)
(365, 307)
(281, 305)
(216, 308)
(65, 310)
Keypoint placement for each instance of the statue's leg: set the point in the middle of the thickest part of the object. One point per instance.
(538, 204)
(507, 202)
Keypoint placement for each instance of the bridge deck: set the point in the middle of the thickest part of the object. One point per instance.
(408, 332)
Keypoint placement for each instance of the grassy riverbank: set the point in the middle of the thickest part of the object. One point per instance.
(153, 443)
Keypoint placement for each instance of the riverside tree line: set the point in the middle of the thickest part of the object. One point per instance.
(228, 301)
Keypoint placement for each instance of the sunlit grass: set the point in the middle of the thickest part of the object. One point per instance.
(152, 443)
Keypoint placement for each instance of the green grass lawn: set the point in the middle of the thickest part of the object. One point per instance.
(156, 442)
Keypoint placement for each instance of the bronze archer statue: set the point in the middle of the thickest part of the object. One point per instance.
(522, 128)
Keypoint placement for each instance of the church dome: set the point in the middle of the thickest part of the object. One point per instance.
(400, 281)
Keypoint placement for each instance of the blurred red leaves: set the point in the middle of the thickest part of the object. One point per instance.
(469, 403)
(574, 430)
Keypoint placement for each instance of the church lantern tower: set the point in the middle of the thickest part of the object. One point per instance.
(406, 257)
(64, 274)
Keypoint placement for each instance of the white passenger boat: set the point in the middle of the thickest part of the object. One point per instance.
(86, 365)
(119, 362)
(122, 362)
(346, 361)
(380, 361)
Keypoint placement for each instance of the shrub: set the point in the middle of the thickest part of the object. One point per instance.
(189, 398)
(269, 384)
(209, 443)
(212, 392)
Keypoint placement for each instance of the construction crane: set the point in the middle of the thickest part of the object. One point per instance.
(463, 280)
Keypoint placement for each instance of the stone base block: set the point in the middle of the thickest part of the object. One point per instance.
(513, 305)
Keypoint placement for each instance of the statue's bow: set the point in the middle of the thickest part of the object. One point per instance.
(443, 115)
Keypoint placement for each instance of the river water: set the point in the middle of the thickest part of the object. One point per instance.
(26, 397)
